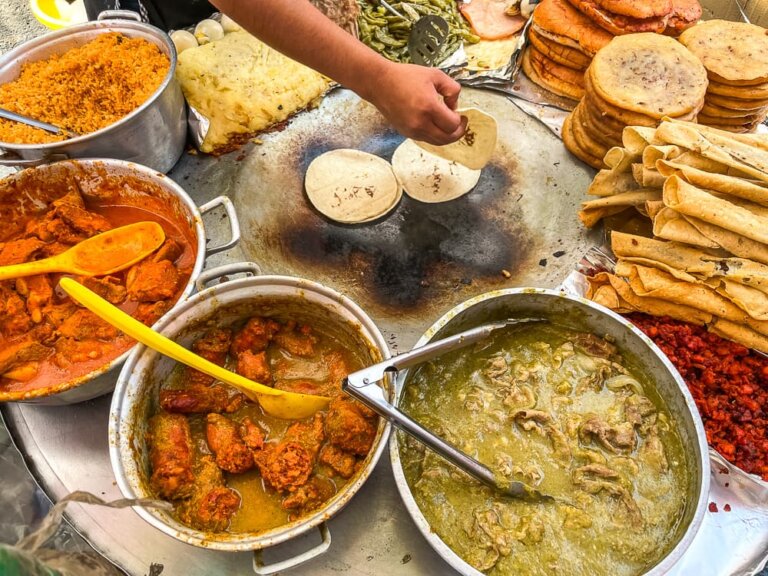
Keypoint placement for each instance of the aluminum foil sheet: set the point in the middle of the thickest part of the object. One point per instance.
(733, 539)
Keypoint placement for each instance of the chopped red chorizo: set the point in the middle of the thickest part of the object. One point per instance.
(200, 399)
(348, 427)
(150, 281)
(170, 454)
(254, 366)
(729, 384)
(225, 442)
(255, 335)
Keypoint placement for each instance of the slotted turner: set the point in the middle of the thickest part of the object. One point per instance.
(362, 385)
(427, 38)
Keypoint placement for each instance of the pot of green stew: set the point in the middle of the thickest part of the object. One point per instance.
(582, 406)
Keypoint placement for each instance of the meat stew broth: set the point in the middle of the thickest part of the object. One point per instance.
(46, 340)
(565, 412)
(266, 471)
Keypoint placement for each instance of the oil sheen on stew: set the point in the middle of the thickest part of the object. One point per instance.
(45, 338)
(562, 411)
(228, 466)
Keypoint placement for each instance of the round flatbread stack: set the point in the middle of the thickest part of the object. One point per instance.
(429, 178)
(735, 56)
(636, 80)
(670, 17)
(350, 186)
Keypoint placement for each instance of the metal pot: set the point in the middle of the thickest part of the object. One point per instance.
(184, 210)
(135, 397)
(584, 315)
(152, 135)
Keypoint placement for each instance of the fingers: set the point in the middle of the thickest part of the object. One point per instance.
(448, 88)
(440, 137)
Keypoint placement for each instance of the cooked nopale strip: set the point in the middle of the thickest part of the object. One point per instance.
(732, 242)
(731, 50)
(717, 145)
(649, 74)
(691, 201)
(739, 333)
(752, 190)
(672, 225)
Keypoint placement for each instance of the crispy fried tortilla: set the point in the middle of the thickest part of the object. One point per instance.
(700, 204)
(351, 186)
(728, 240)
(754, 191)
(671, 225)
(473, 150)
(429, 178)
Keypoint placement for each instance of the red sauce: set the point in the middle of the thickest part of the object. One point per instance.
(729, 383)
(49, 373)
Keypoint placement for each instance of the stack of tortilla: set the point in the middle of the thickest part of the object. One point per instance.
(562, 43)
(619, 17)
(635, 80)
(735, 55)
(706, 192)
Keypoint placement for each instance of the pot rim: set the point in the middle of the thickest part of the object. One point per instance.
(199, 229)
(128, 381)
(118, 25)
(437, 543)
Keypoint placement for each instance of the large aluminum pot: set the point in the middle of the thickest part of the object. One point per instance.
(584, 315)
(152, 135)
(136, 394)
(182, 209)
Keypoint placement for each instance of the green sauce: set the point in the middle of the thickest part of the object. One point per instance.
(562, 411)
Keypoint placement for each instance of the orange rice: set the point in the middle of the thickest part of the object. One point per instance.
(83, 89)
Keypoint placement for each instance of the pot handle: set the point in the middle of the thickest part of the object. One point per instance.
(119, 15)
(206, 276)
(21, 163)
(234, 223)
(262, 569)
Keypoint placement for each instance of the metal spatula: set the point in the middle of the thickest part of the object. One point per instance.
(427, 39)
(362, 385)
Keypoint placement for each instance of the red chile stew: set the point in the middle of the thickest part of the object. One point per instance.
(729, 384)
(46, 339)
(226, 464)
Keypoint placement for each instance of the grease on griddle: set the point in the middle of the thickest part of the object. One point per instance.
(421, 250)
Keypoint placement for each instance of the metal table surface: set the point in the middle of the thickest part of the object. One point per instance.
(65, 448)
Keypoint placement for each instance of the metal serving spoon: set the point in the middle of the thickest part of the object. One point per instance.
(105, 253)
(278, 403)
(427, 38)
(362, 385)
(16, 117)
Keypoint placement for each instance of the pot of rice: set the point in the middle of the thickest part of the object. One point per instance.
(108, 84)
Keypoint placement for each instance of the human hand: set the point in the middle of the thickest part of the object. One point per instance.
(419, 102)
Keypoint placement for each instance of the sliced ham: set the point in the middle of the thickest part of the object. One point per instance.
(489, 19)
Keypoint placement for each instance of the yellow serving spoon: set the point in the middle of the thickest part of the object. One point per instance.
(105, 253)
(278, 403)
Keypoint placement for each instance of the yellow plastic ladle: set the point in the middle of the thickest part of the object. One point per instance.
(105, 253)
(278, 403)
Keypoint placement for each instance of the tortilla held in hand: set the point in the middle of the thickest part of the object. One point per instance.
(475, 148)
(429, 178)
(351, 186)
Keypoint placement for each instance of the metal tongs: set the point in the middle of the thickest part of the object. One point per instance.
(363, 386)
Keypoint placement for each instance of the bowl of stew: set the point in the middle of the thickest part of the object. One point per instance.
(238, 478)
(580, 405)
(52, 351)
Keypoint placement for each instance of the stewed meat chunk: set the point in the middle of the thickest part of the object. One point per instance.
(171, 456)
(348, 428)
(224, 440)
(255, 335)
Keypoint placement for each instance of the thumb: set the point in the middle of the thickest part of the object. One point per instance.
(448, 88)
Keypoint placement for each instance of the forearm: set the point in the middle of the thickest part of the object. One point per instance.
(286, 24)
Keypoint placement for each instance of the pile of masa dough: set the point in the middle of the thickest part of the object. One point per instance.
(242, 86)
